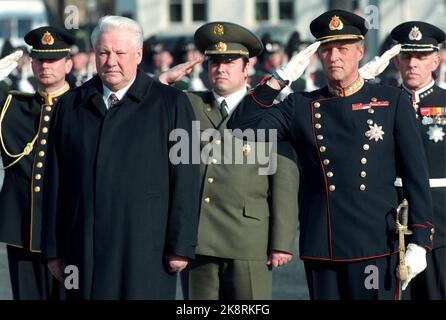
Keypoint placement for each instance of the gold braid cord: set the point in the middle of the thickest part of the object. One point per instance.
(26, 150)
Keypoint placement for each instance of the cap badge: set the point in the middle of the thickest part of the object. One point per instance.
(221, 46)
(415, 34)
(47, 39)
(336, 23)
(219, 30)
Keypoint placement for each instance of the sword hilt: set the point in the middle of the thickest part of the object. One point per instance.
(401, 228)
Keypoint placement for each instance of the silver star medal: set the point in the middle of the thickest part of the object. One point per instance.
(375, 133)
(427, 121)
(435, 133)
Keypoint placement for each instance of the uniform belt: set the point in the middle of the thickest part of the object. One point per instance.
(434, 183)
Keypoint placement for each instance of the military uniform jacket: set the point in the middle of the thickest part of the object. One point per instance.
(430, 104)
(26, 120)
(243, 214)
(348, 148)
(115, 202)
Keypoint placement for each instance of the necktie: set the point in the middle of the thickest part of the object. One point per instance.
(113, 100)
(224, 109)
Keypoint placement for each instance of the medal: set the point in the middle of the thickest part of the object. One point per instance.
(435, 133)
(375, 133)
(427, 120)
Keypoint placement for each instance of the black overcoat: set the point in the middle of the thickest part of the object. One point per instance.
(114, 204)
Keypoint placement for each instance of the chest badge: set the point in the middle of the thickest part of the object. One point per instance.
(427, 120)
(375, 133)
(435, 133)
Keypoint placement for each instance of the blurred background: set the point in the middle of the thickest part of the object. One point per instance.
(169, 25)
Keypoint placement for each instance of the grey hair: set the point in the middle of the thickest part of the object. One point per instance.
(110, 23)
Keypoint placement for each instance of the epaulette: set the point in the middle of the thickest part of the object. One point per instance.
(19, 93)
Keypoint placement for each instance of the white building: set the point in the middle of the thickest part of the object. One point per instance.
(279, 17)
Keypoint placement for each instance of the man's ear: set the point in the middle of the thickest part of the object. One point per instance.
(397, 62)
(138, 55)
(436, 62)
(68, 65)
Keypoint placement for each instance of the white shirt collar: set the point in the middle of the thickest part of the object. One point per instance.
(416, 95)
(119, 94)
(232, 100)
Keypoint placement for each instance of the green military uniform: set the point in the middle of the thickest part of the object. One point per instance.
(244, 215)
(24, 128)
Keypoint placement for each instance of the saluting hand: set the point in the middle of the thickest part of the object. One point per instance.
(278, 259)
(179, 71)
(377, 65)
(176, 263)
(9, 63)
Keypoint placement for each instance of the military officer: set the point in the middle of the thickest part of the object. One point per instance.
(25, 123)
(248, 221)
(349, 136)
(418, 60)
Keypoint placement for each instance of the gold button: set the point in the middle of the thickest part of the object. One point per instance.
(362, 187)
(44, 129)
(322, 149)
(48, 108)
(317, 115)
(38, 176)
(317, 104)
(43, 142)
(370, 121)
(371, 111)
(217, 141)
(374, 99)
(366, 147)
(39, 165)
(214, 161)
(363, 174)
(37, 189)
(332, 187)
(363, 160)
(320, 137)
(317, 126)
(329, 174)
(209, 109)
(207, 200)
(326, 162)
(431, 237)
(41, 153)
(46, 118)
(433, 231)
(210, 180)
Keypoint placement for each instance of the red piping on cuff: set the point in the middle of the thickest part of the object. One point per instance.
(258, 102)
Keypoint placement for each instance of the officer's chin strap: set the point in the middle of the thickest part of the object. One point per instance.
(26, 150)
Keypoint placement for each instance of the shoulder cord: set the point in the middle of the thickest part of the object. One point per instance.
(26, 150)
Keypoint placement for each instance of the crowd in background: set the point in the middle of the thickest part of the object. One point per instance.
(160, 54)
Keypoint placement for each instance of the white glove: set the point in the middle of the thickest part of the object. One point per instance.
(9, 63)
(378, 64)
(415, 260)
(298, 63)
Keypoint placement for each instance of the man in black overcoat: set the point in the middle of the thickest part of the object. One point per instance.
(119, 209)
